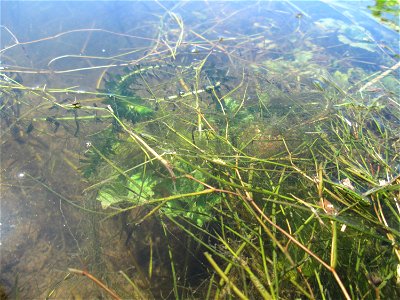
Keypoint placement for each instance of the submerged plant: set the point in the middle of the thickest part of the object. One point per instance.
(270, 166)
(122, 98)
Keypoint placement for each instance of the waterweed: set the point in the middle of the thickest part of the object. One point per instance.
(270, 181)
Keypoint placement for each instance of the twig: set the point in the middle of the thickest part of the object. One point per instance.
(96, 281)
(144, 145)
(224, 277)
(376, 79)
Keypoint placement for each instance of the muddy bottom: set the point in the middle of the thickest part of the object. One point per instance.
(42, 235)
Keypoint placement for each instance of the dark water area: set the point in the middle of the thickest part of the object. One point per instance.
(178, 75)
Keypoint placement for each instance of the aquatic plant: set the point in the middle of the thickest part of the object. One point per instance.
(272, 167)
(122, 98)
(386, 11)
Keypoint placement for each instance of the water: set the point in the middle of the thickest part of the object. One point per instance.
(263, 64)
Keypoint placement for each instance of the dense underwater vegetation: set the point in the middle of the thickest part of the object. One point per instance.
(198, 150)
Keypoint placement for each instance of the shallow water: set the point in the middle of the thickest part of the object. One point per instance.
(280, 47)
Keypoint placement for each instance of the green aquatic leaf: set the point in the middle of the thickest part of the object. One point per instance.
(122, 96)
(138, 189)
(387, 12)
(231, 104)
(131, 108)
(196, 209)
(341, 79)
(135, 190)
(141, 187)
(112, 194)
(107, 197)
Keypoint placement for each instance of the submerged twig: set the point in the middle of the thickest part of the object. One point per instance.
(96, 281)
